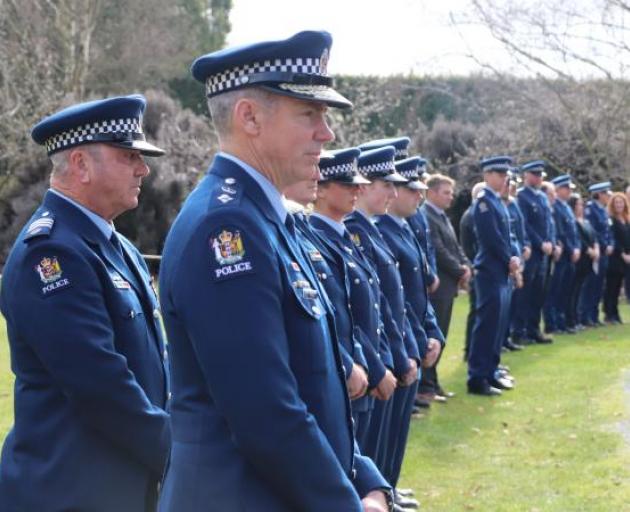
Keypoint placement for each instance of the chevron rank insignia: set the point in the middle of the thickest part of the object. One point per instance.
(42, 226)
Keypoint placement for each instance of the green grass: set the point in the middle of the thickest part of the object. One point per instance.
(555, 443)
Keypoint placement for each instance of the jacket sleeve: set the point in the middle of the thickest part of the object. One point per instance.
(447, 261)
(394, 339)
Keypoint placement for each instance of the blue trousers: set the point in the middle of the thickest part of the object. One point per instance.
(530, 298)
(592, 292)
(402, 408)
(376, 437)
(557, 295)
(493, 303)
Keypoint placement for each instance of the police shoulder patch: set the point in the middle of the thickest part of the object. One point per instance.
(51, 275)
(41, 226)
(229, 254)
(483, 206)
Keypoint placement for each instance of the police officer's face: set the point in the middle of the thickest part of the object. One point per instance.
(407, 202)
(378, 196)
(340, 198)
(533, 179)
(497, 181)
(116, 175)
(293, 134)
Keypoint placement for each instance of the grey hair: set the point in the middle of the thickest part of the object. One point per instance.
(222, 106)
(60, 159)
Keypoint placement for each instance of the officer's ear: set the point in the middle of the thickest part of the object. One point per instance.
(79, 162)
(247, 115)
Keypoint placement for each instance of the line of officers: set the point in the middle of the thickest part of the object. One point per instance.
(557, 252)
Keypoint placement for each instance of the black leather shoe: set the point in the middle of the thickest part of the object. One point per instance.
(522, 340)
(407, 493)
(504, 375)
(541, 339)
(442, 392)
(512, 347)
(406, 503)
(501, 383)
(398, 508)
(483, 388)
(422, 403)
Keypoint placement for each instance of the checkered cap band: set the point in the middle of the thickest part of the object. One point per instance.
(379, 168)
(410, 174)
(348, 169)
(87, 132)
(497, 167)
(401, 153)
(237, 76)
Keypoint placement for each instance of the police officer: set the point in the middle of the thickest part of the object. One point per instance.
(334, 277)
(334, 274)
(595, 212)
(529, 299)
(564, 269)
(261, 416)
(374, 199)
(417, 221)
(86, 344)
(520, 240)
(336, 197)
(497, 258)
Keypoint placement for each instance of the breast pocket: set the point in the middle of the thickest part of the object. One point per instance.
(307, 327)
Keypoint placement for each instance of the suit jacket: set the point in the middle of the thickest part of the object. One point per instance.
(87, 351)
(260, 412)
(449, 256)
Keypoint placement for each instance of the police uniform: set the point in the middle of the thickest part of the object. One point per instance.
(593, 287)
(334, 277)
(491, 282)
(378, 164)
(564, 269)
(529, 299)
(86, 345)
(418, 221)
(365, 298)
(260, 412)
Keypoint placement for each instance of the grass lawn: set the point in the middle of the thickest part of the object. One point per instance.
(555, 443)
(559, 442)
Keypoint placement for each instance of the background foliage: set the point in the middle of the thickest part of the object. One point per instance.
(56, 52)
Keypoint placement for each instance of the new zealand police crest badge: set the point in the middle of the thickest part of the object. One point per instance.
(228, 247)
(49, 270)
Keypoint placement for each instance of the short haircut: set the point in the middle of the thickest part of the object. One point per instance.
(437, 180)
(222, 105)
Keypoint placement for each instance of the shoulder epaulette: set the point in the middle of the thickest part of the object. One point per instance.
(41, 226)
(227, 192)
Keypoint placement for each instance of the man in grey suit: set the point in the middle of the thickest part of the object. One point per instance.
(454, 269)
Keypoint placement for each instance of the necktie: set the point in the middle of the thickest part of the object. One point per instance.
(115, 241)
